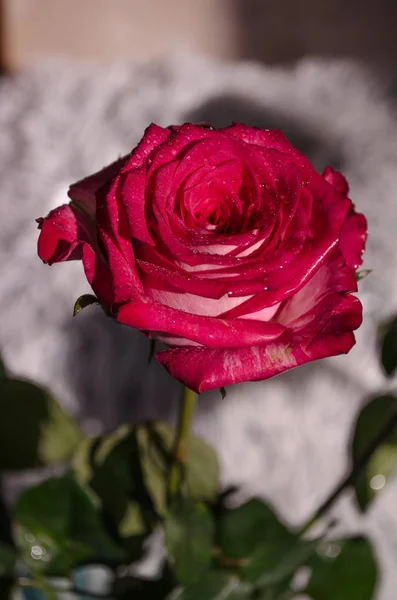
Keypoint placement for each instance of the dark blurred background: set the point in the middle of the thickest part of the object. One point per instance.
(273, 32)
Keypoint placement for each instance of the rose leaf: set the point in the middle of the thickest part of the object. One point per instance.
(58, 526)
(214, 586)
(388, 346)
(343, 570)
(189, 532)
(30, 414)
(84, 301)
(380, 414)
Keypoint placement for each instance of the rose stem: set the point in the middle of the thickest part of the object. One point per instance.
(352, 475)
(179, 454)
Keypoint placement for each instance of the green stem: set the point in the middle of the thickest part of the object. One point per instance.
(179, 455)
(351, 477)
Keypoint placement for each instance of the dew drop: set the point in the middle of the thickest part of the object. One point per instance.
(377, 482)
(37, 552)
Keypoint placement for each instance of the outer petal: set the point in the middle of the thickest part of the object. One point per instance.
(114, 233)
(63, 233)
(355, 230)
(318, 321)
(352, 239)
(83, 192)
(68, 234)
(203, 369)
(208, 331)
(337, 180)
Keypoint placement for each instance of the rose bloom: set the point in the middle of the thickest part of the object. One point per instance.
(225, 244)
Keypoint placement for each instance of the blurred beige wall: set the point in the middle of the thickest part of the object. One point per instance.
(269, 30)
(108, 30)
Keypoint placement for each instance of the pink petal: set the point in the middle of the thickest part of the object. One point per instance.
(63, 233)
(208, 331)
(83, 193)
(132, 191)
(304, 310)
(115, 235)
(337, 180)
(352, 239)
(153, 137)
(203, 369)
(98, 276)
(69, 234)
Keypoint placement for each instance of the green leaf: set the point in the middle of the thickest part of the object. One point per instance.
(84, 301)
(363, 274)
(3, 371)
(266, 552)
(215, 586)
(274, 564)
(6, 588)
(128, 471)
(189, 531)
(201, 483)
(126, 588)
(246, 528)
(58, 527)
(7, 559)
(343, 570)
(388, 344)
(111, 466)
(372, 420)
(34, 429)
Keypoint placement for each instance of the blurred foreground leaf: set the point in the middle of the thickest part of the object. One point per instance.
(34, 429)
(215, 586)
(128, 471)
(201, 465)
(343, 570)
(7, 559)
(59, 527)
(130, 587)
(388, 343)
(189, 532)
(3, 372)
(6, 588)
(267, 553)
(373, 419)
(111, 466)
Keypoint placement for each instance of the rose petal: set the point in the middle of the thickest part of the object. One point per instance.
(83, 192)
(69, 234)
(114, 233)
(62, 235)
(321, 297)
(132, 192)
(337, 180)
(98, 276)
(352, 239)
(203, 369)
(208, 331)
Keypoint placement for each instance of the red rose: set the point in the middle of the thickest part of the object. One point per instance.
(225, 244)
